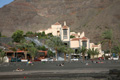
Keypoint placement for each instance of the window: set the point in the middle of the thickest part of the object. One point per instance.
(58, 33)
(84, 43)
(64, 37)
(65, 34)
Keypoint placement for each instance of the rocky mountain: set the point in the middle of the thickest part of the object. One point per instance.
(91, 16)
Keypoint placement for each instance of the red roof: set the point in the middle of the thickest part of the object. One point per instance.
(75, 39)
(20, 51)
(94, 45)
(15, 51)
(74, 34)
(84, 38)
(57, 23)
(65, 27)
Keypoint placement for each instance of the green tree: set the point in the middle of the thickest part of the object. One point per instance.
(38, 35)
(17, 36)
(54, 42)
(2, 54)
(71, 36)
(66, 50)
(63, 49)
(107, 36)
(29, 34)
(50, 34)
(93, 52)
(116, 49)
(32, 51)
(43, 48)
(50, 53)
(13, 49)
(43, 34)
(83, 51)
(69, 51)
(25, 46)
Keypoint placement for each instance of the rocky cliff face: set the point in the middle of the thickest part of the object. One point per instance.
(91, 16)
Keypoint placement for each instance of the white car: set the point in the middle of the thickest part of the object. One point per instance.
(44, 59)
(74, 59)
(50, 59)
(113, 58)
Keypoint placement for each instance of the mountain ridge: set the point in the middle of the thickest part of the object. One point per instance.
(91, 16)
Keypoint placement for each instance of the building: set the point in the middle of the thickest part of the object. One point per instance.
(78, 41)
(20, 55)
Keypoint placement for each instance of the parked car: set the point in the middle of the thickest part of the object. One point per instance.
(46, 59)
(36, 59)
(15, 60)
(50, 59)
(74, 59)
(113, 58)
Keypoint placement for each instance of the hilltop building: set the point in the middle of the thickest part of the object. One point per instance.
(78, 41)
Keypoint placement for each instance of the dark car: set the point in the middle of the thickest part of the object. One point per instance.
(15, 60)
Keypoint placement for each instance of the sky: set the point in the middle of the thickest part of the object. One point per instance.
(4, 2)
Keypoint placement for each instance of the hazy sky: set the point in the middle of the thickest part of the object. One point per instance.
(4, 2)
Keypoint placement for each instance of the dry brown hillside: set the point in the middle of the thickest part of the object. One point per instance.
(91, 16)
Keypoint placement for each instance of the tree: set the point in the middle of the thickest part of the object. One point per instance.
(71, 36)
(50, 53)
(107, 36)
(93, 52)
(54, 42)
(32, 51)
(25, 46)
(69, 51)
(38, 35)
(17, 36)
(50, 35)
(13, 49)
(63, 49)
(66, 50)
(43, 48)
(83, 51)
(43, 34)
(2, 54)
(116, 49)
(29, 34)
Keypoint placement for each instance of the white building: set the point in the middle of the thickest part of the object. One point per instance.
(78, 41)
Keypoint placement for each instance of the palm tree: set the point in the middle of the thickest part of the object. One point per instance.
(93, 52)
(107, 36)
(116, 49)
(25, 46)
(66, 50)
(83, 51)
(54, 42)
(13, 49)
(89, 52)
(2, 54)
(32, 51)
(69, 51)
(50, 53)
(63, 49)
(97, 52)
